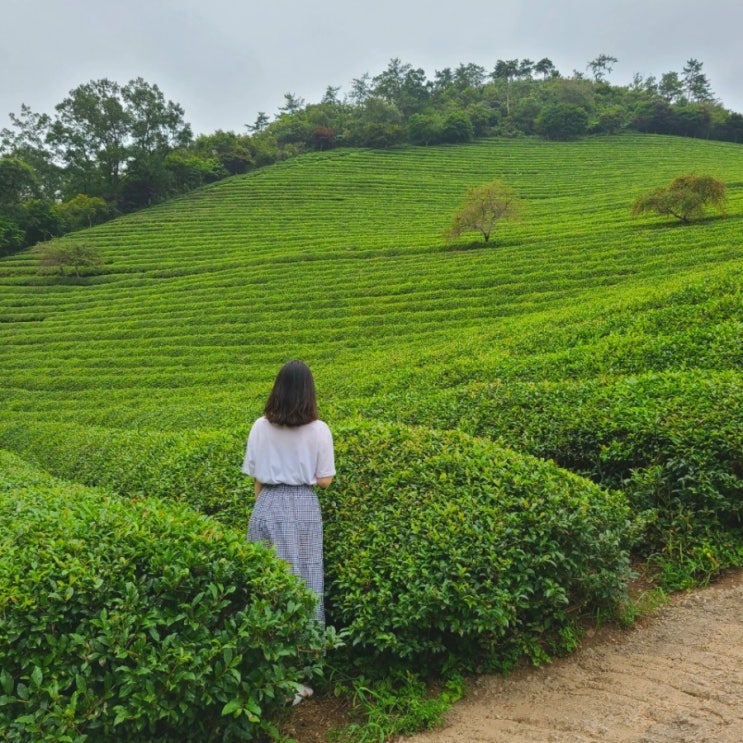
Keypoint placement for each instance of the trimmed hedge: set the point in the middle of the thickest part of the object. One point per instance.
(673, 443)
(437, 544)
(139, 621)
(443, 548)
(198, 469)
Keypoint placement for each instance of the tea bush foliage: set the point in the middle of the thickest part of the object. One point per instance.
(138, 620)
(672, 442)
(500, 549)
(447, 549)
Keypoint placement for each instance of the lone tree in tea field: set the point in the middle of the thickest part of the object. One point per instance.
(686, 198)
(483, 207)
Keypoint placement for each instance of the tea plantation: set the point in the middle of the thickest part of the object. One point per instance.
(512, 422)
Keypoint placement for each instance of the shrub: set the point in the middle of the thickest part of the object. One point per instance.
(138, 621)
(198, 469)
(671, 442)
(78, 257)
(437, 544)
(457, 127)
(440, 546)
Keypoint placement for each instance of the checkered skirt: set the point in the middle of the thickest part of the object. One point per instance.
(288, 517)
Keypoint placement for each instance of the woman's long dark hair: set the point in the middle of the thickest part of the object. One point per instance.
(292, 401)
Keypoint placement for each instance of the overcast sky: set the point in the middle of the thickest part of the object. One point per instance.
(224, 61)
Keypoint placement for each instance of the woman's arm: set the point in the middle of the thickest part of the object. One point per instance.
(258, 488)
(324, 482)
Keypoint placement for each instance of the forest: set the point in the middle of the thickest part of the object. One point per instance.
(109, 149)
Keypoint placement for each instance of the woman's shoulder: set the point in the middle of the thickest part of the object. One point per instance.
(260, 423)
(320, 424)
(320, 430)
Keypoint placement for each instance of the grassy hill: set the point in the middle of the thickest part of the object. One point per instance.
(510, 419)
(338, 259)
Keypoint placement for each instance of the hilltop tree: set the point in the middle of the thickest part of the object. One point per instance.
(670, 87)
(696, 85)
(562, 121)
(546, 68)
(330, 97)
(361, 88)
(261, 122)
(402, 85)
(90, 132)
(103, 131)
(602, 66)
(234, 151)
(468, 76)
(506, 70)
(483, 208)
(292, 104)
(686, 198)
(26, 140)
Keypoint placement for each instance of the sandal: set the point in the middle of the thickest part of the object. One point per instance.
(305, 692)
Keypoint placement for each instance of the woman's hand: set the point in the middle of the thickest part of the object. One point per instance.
(324, 482)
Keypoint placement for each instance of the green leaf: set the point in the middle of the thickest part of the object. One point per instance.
(234, 707)
(37, 676)
(6, 681)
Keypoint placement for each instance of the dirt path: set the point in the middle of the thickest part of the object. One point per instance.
(677, 676)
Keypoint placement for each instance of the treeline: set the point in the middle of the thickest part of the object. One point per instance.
(110, 149)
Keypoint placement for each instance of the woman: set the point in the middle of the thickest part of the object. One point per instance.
(289, 451)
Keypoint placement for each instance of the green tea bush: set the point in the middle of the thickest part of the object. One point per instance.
(671, 442)
(440, 547)
(139, 621)
(437, 544)
(199, 469)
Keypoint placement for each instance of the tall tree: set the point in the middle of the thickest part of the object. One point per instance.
(90, 132)
(602, 66)
(402, 85)
(260, 123)
(696, 85)
(292, 104)
(670, 87)
(469, 76)
(331, 95)
(546, 68)
(27, 141)
(155, 125)
(360, 89)
(526, 68)
(506, 70)
(443, 80)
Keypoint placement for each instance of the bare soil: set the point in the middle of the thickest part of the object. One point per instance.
(674, 677)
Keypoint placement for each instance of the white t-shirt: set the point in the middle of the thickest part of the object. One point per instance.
(289, 455)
